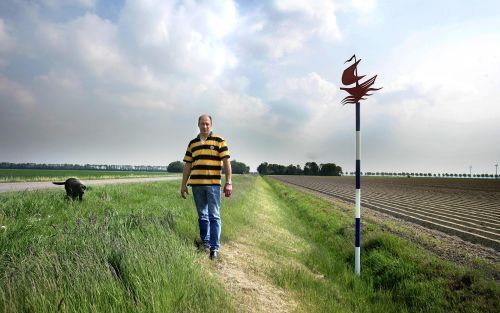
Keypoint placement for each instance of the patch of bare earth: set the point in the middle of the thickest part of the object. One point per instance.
(239, 269)
(243, 263)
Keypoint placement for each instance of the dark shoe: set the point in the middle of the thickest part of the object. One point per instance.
(214, 255)
(201, 246)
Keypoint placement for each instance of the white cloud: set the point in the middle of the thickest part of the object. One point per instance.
(7, 43)
(185, 38)
(311, 93)
(57, 4)
(275, 31)
(241, 109)
(16, 93)
(456, 77)
(320, 13)
(364, 6)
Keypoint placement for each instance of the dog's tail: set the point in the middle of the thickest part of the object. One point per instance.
(58, 182)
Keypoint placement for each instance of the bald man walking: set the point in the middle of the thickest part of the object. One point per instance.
(204, 157)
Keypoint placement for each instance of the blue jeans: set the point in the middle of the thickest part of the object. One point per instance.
(207, 200)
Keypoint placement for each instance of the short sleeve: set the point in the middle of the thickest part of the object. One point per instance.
(188, 157)
(223, 150)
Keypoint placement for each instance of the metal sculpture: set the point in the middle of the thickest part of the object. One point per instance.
(357, 93)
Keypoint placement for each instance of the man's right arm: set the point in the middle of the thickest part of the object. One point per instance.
(185, 176)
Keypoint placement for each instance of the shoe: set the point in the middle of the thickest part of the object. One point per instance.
(214, 255)
(201, 246)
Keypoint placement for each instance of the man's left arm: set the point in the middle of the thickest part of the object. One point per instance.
(228, 187)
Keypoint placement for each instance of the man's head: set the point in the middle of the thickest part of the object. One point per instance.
(205, 124)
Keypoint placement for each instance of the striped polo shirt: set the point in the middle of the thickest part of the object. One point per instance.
(206, 158)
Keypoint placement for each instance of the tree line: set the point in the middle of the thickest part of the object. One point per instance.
(236, 167)
(173, 167)
(67, 166)
(416, 174)
(310, 168)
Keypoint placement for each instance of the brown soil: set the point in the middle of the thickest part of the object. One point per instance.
(451, 248)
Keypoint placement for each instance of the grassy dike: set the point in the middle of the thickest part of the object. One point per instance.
(396, 275)
(129, 248)
(125, 248)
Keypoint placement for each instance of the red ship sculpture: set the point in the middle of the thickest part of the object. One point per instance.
(360, 91)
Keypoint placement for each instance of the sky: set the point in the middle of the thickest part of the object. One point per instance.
(123, 82)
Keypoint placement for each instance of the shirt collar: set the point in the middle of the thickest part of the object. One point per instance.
(209, 135)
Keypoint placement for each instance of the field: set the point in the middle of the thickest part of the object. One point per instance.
(468, 208)
(129, 248)
(20, 175)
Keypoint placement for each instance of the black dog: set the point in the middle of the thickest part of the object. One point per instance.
(73, 188)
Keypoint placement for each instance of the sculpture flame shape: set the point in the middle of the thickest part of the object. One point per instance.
(360, 91)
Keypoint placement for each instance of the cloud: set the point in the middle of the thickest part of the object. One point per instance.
(263, 69)
(453, 78)
(7, 43)
(274, 31)
(58, 4)
(299, 101)
(15, 93)
(364, 6)
(179, 39)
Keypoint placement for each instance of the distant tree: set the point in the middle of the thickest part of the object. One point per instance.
(175, 167)
(262, 168)
(311, 168)
(239, 167)
(291, 170)
(330, 169)
(276, 169)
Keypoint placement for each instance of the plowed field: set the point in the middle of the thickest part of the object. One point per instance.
(468, 208)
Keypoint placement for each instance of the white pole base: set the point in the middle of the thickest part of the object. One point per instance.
(357, 267)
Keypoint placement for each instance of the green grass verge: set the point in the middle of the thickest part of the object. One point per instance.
(20, 175)
(125, 248)
(129, 248)
(396, 276)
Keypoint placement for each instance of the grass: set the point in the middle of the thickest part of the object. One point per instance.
(396, 276)
(20, 175)
(125, 248)
(129, 248)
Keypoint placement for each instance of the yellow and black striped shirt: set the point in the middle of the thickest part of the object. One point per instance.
(206, 158)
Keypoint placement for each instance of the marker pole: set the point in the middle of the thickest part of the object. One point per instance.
(357, 251)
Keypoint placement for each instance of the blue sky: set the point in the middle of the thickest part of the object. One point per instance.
(123, 82)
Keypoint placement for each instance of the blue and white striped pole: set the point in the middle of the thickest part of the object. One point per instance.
(357, 93)
(357, 251)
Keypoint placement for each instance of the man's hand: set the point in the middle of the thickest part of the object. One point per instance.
(184, 191)
(228, 190)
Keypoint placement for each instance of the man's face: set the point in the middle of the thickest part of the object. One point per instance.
(205, 125)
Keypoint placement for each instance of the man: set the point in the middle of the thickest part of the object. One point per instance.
(204, 157)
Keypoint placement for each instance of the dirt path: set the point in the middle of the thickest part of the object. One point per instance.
(243, 263)
(5, 187)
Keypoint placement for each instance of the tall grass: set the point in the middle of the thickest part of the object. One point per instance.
(129, 248)
(19, 175)
(125, 248)
(396, 276)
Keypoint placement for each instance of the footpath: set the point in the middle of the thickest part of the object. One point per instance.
(244, 262)
(22, 186)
